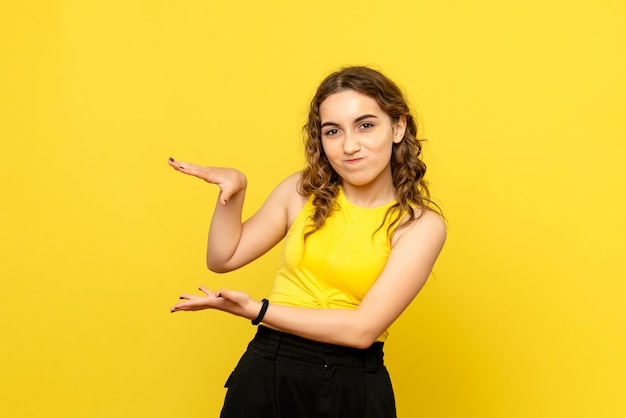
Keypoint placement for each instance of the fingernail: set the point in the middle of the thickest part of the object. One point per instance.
(171, 159)
(181, 297)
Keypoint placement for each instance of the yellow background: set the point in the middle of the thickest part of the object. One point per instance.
(522, 104)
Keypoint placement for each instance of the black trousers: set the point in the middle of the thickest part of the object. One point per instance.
(284, 376)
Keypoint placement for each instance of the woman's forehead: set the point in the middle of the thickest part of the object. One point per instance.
(348, 104)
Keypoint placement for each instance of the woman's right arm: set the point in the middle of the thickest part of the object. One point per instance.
(231, 242)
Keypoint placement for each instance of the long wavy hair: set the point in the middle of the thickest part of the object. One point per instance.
(407, 169)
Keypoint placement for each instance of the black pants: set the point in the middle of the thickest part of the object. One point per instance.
(284, 376)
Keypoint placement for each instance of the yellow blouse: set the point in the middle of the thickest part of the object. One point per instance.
(338, 263)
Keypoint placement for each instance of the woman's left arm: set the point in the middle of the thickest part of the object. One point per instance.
(414, 252)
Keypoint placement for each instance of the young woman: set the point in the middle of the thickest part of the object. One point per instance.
(360, 240)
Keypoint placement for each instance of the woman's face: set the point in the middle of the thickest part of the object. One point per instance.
(357, 137)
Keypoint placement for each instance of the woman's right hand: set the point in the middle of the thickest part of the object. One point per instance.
(230, 301)
(229, 180)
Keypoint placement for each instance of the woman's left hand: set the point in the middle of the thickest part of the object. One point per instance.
(234, 302)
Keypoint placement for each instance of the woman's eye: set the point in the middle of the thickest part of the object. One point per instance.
(366, 125)
(331, 132)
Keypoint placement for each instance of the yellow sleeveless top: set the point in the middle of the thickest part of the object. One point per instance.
(338, 263)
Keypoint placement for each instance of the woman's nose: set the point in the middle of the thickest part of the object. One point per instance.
(351, 143)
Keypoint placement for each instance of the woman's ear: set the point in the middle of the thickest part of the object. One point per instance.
(399, 129)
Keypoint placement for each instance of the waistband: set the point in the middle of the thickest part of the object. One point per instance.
(280, 344)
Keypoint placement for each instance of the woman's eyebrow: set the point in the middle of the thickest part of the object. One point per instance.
(360, 118)
(329, 124)
(357, 120)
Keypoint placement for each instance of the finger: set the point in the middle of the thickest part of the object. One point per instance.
(206, 290)
(177, 165)
(224, 293)
(186, 305)
(177, 307)
(185, 167)
(194, 170)
(224, 196)
(187, 296)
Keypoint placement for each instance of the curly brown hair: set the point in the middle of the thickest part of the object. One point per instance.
(407, 169)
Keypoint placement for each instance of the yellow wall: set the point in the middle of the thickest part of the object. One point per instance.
(522, 103)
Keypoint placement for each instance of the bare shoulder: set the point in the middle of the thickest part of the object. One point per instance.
(291, 181)
(288, 188)
(429, 228)
(291, 200)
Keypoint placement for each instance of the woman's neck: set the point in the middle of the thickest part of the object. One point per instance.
(371, 195)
